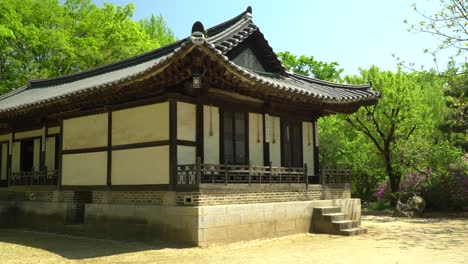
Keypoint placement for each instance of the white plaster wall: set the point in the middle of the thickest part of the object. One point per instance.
(140, 166)
(140, 124)
(30, 133)
(186, 121)
(3, 172)
(15, 156)
(211, 142)
(53, 130)
(275, 141)
(84, 169)
(50, 153)
(85, 132)
(256, 139)
(308, 146)
(186, 155)
(5, 137)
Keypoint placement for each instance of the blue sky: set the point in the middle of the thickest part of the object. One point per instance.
(355, 33)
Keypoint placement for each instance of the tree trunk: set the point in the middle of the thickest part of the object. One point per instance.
(393, 176)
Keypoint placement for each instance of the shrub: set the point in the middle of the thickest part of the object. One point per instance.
(442, 191)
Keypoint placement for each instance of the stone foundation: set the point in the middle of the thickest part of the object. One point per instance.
(199, 218)
(230, 223)
(143, 222)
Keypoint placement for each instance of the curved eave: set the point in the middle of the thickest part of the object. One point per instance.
(365, 96)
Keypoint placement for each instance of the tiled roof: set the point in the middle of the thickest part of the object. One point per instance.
(221, 39)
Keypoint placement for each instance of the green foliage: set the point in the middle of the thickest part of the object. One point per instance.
(449, 189)
(157, 28)
(401, 137)
(455, 124)
(40, 39)
(380, 206)
(404, 120)
(308, 66)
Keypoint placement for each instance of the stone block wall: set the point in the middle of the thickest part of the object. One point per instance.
(40, 196)
(43, 216)
(143, 222)
(230, 223)
(129, 197)
(199, 198)
(317, 192)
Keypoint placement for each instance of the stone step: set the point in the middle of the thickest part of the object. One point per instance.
(345, 224)
(353, 231)
(327, 210)
(333, 217)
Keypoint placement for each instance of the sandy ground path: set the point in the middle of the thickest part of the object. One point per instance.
(390, 240)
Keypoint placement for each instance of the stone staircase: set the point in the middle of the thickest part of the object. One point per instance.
(330, 220)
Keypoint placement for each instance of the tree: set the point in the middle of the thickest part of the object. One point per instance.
(449, 24)
(157, 29)
(455, 123)
(308, 66)
(41, 39)
(403, 121)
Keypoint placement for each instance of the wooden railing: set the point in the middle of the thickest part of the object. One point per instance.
(335, 176)
(45, 177)
(239, 174)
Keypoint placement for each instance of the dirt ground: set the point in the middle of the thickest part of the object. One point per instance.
(390, 240)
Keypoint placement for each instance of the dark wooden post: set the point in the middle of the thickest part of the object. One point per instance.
(261, 173)
(250, 172)
(280, 172)
(225, 173)
(306, 178)
(297, 175)
(271, 172)
(198, 168)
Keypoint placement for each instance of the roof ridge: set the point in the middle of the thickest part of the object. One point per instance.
(328, 83)
(13, 92)
(140, 58)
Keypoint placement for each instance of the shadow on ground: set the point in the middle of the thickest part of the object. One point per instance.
(72, 247)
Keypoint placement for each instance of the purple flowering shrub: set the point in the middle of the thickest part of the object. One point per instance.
(463, 179)
(413, 183)
(447, 191)
(383, 191)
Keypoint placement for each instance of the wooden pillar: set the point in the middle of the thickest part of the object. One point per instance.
(316, 149)
(198, 171)
(109, 149)
(200, 131)
(172, 143)
(60, 159)
(266, 140)
(9, 153)
(42, 163)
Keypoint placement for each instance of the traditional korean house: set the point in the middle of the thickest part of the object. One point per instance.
(209, 139)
